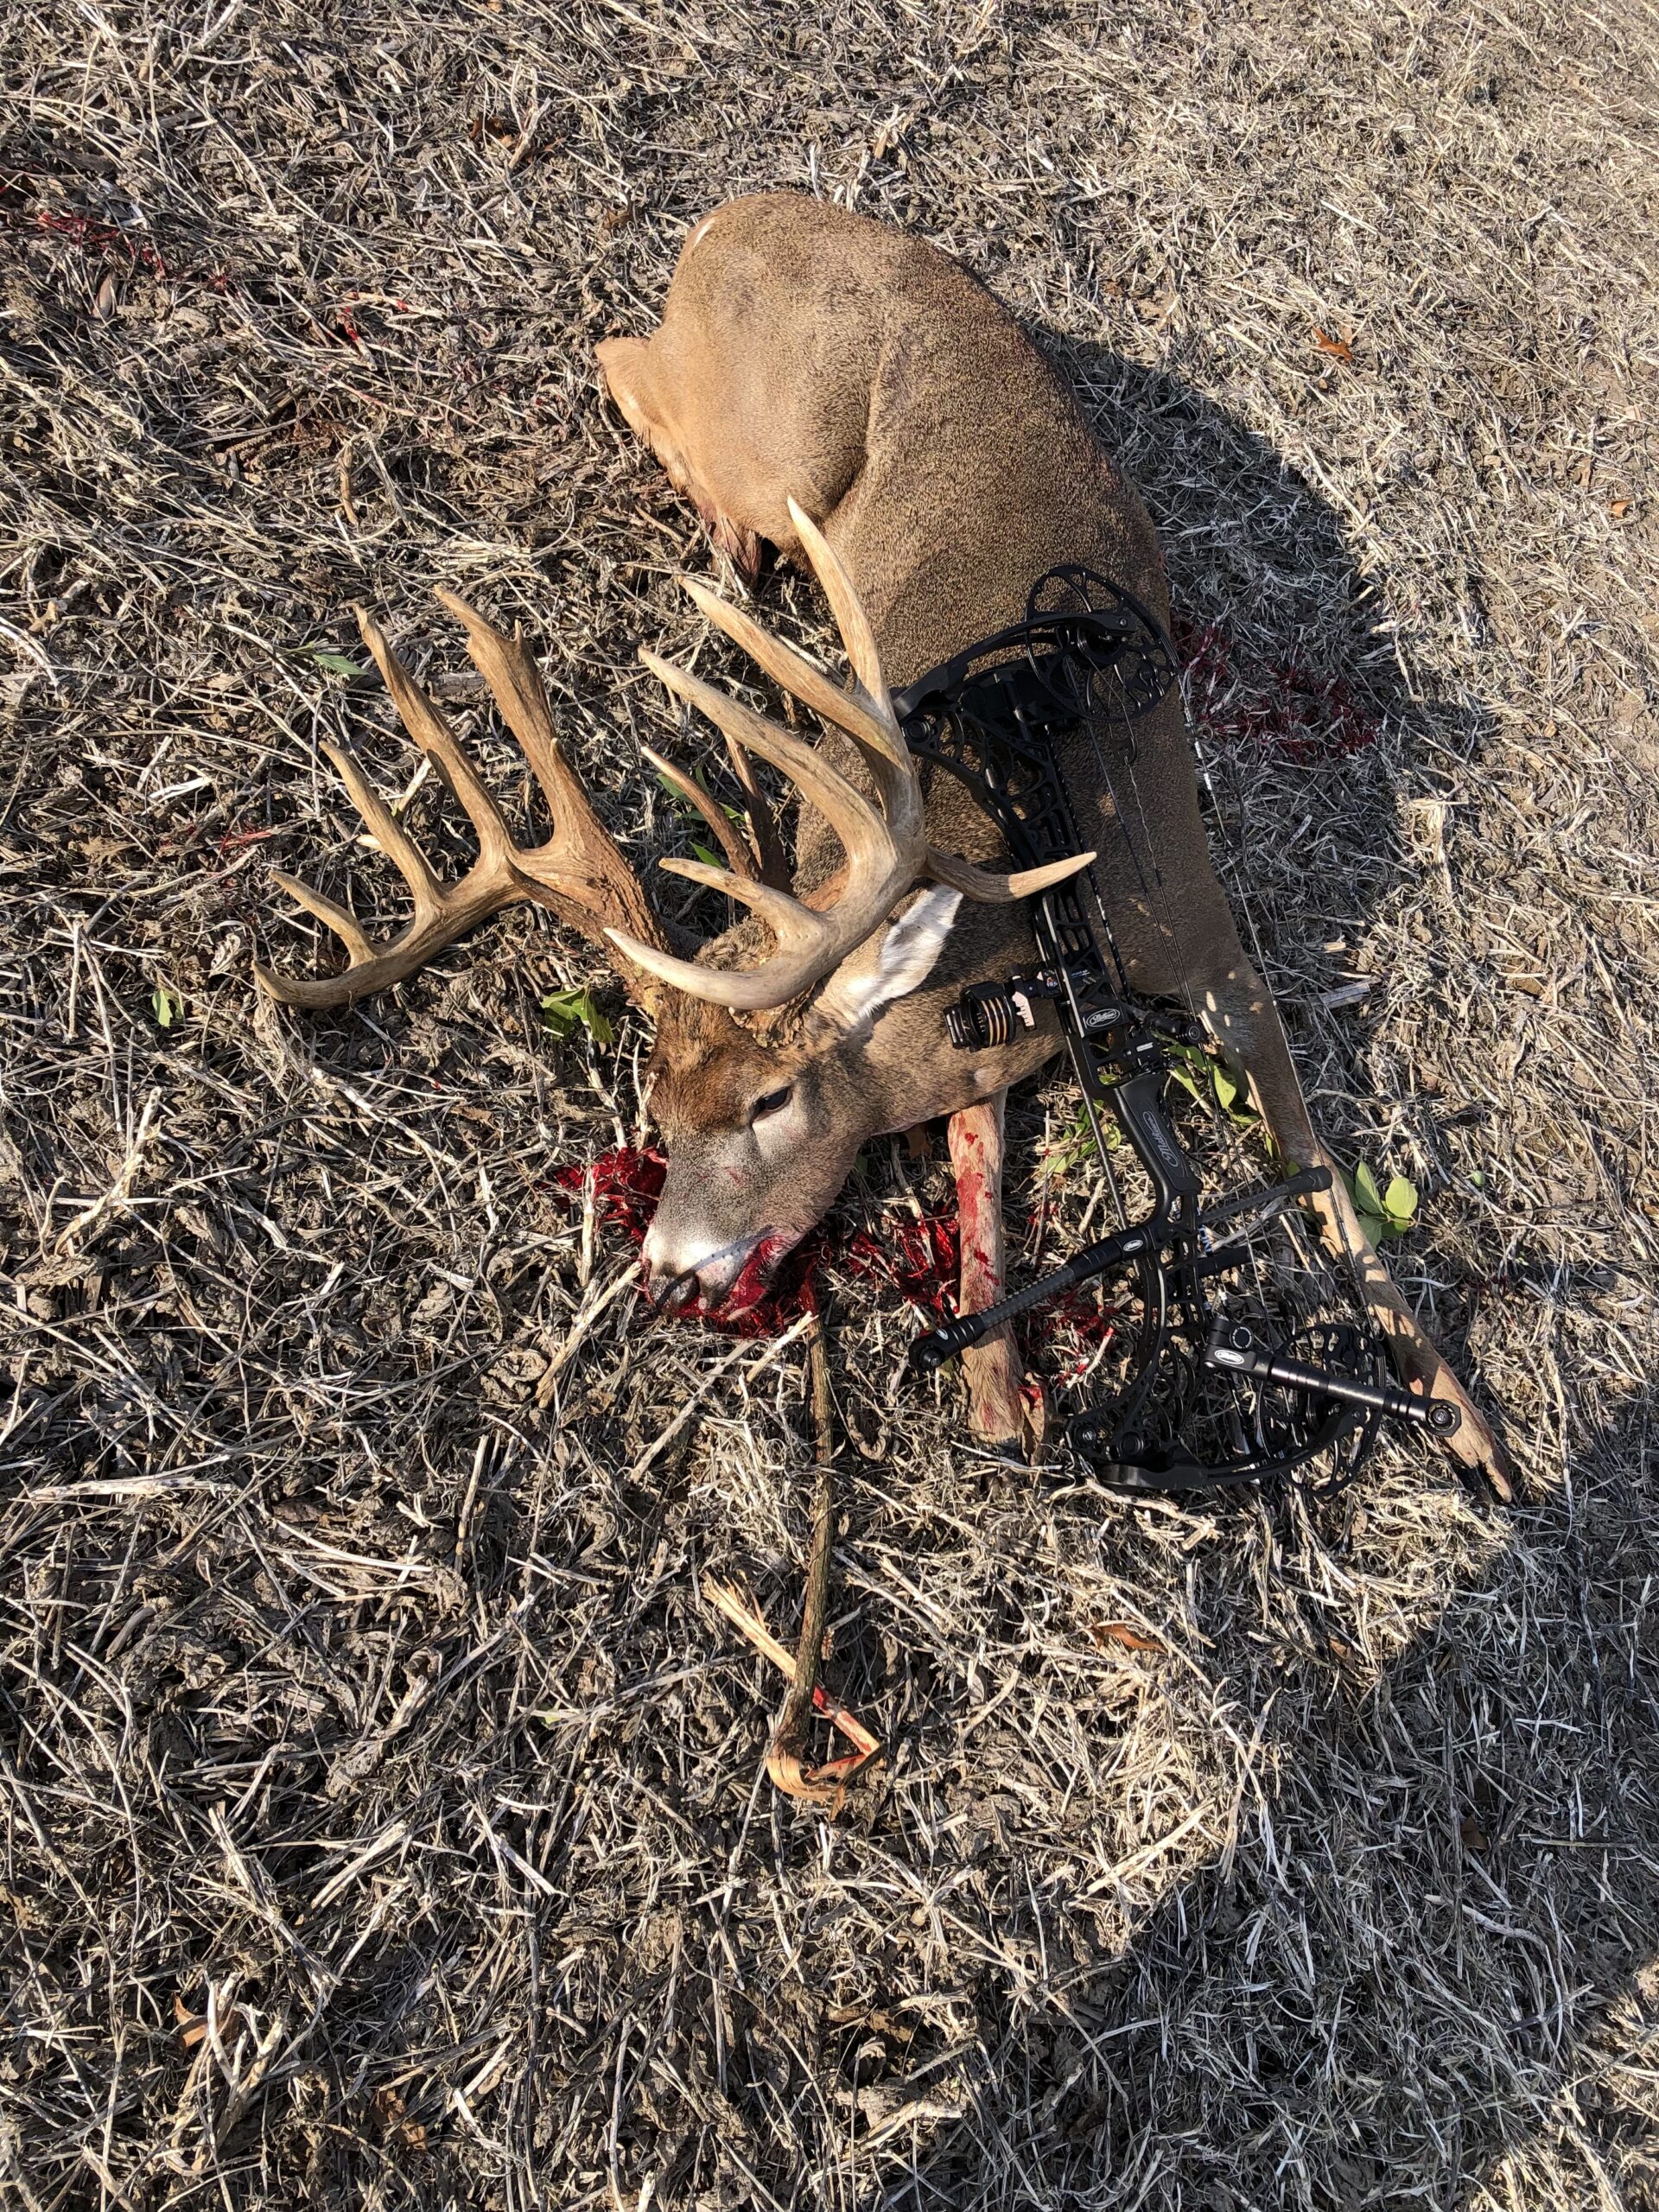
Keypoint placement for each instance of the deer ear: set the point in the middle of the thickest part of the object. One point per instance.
(886, 967)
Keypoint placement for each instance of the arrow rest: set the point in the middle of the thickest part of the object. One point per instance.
(1248, 1362)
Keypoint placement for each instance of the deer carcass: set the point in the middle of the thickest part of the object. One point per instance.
(848, 394)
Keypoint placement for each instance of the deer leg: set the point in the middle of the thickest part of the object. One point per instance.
(1245, 1023)
(1001, 1413)
(626, 368)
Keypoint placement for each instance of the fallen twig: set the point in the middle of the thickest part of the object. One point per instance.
(825, 1785)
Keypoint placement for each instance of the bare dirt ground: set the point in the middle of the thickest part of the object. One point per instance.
(384, 1819)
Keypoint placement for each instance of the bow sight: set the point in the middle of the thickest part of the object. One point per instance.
(1243, 1358)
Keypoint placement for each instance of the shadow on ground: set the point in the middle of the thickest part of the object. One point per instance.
(1441, 1849)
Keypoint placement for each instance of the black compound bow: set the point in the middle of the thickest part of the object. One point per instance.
(1252, 1355)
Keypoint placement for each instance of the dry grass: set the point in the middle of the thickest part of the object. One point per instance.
(384, 1821)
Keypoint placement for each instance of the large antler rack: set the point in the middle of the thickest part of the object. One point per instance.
(884, 840)
(579, 872)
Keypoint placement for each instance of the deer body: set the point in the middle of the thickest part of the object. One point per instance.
(851, 395)
(808, 353)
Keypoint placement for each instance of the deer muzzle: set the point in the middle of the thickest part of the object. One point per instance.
(681, 1269)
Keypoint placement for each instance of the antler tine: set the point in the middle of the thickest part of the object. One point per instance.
(798, 928)
(890, 762)
(853, 711)
(388, 833)
(579, 872)
(850, 814)
(809, 945)
(885, 844)
(434, 736)
(865, 711)
(741, 859)
(441, 912)
(803, 955)
(773, 862)
(851, 618)
(516, 685)
(358, 945)
(990, 889)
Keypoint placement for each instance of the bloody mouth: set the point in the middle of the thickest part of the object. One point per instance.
(681, 1294)
(917, 1260)
(774, 1286)
(753, 1279)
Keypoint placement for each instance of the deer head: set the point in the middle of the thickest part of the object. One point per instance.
(763, 1081)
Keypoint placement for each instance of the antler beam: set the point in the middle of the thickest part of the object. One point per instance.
(579, 871)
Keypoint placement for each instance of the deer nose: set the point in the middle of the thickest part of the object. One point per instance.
(675, 1293)
(676, 1274)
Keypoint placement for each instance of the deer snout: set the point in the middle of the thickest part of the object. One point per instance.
(679, 1269)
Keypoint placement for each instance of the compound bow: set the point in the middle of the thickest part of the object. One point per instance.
(1248, 1360)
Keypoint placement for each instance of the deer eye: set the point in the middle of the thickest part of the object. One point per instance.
(773, 1102)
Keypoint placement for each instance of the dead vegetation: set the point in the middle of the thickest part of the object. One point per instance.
(384, 1819)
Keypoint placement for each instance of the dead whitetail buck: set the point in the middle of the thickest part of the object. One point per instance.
(848, 394)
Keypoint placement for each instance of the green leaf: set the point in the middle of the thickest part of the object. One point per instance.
(564, 1012)
(1233, 1095)
(1383, 1213)
(1374, 1224)
(1399, 1201)
(598, 1027)
(1477, 1177)
(1189, 1068)
(1201, 1073)
(1187, 1080)
(165, 1006)
(1367, 1197)
(1074, 1147)
(708, 859)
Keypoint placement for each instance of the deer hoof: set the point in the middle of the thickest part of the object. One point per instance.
(1474, 1445)
(1006, 1414)
(994, 1417)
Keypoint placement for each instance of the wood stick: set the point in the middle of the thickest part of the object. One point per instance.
(785, 1761)
(748, 1624)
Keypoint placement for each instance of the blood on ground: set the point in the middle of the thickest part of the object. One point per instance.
(915, 1262)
